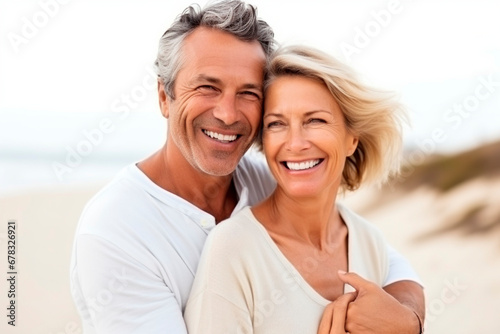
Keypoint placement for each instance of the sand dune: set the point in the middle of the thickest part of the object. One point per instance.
(457, 255)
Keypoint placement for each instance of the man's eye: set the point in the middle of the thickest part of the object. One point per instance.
(206, 87)
(250, 94)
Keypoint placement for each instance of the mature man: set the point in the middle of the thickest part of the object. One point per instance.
(139, 239)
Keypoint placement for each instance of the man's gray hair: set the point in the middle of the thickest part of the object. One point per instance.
(232, 16)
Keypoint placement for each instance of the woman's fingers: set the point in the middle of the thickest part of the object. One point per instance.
(334, 316)
(340, 312)
(326, 320)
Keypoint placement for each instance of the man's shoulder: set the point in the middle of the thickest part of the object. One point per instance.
(253, 173)
(253, 162)
(115, 204)
(120, 190)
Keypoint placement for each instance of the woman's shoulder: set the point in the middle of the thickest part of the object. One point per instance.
(233, 245)
(240, 222)
(355, 221)
(368, 252)
(241, 229)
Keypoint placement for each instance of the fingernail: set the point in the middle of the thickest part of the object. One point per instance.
(341, 272)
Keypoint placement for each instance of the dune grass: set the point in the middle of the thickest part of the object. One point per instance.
(446, 172)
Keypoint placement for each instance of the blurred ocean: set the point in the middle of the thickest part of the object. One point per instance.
(56, 148)
(48, 149)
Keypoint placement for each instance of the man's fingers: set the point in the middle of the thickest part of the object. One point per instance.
(354, 280)
(340, 312)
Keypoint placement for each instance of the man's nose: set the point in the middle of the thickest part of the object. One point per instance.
(226, 109)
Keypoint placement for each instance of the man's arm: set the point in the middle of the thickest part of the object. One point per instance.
(114, 293)
(404, 284)
(411, 295)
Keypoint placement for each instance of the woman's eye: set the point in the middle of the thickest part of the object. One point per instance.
(316, 120)
(274, 124)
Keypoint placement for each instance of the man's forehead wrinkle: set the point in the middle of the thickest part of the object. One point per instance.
(211, 79)
(206, 77)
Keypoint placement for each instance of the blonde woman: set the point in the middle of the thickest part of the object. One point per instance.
(281, 266)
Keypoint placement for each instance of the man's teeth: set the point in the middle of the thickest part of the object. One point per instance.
(302, 165)
(221, 137)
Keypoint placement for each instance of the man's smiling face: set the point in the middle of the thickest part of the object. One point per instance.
(216, 110)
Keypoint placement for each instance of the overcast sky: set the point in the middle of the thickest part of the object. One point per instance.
(79, 56)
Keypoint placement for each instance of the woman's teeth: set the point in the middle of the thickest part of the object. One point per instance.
(302, 165)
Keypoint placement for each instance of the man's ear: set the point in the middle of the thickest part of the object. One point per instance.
(163, 99)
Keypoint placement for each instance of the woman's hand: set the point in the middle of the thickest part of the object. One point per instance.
(335, 314)
(376, 311)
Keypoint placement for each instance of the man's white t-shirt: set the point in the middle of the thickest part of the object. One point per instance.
(137, 247)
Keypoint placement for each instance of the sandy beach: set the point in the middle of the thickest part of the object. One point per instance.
(46, 220)
(460, 271)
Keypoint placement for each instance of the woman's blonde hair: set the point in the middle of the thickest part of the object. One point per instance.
(372, 115)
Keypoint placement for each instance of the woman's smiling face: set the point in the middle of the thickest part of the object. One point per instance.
(305, 138)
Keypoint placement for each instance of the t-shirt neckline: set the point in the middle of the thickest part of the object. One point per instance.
(301, 281)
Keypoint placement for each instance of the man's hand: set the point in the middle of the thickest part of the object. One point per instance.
(376, 311)
(334, 316)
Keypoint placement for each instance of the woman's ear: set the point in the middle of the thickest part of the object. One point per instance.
(163, 99)
(353, 146)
